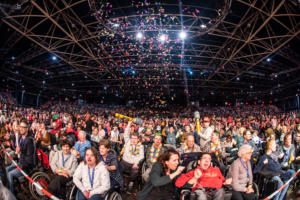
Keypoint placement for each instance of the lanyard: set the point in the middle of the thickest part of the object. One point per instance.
(63, 159)
(246, 167)
(102, 159)
(91, 179)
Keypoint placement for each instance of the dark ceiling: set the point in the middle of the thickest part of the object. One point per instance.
(234, 50)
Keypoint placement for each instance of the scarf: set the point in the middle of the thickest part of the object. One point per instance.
(186, 149)
(135, 151)
(154, 153)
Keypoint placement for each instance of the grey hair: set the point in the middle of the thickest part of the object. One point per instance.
(82, 132)
(243, 149)
(5, 194)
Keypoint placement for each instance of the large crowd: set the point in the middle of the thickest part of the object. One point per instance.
(90, 147)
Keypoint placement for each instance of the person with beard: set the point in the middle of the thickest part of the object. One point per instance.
(91, 177)
(25, 149)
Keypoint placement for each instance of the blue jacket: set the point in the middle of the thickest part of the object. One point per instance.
(273, 166)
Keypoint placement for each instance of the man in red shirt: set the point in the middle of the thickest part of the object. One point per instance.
(205, 180)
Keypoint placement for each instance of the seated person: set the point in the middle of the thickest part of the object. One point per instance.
(133, 154)
(43, 137)
(270, 162)
(160, 185)
(91, 177)
(189, 145)
(63, 165)
(241, 173)
(110, 160)
(216, 146)
(288, 150)
(205, 180)
(152, 153)
(81, 145)
(25, 149)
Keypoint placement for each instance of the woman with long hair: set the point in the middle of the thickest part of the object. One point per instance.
(91, 177)
(162, 177)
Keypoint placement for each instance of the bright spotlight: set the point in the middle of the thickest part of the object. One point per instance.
(268, 59)
(203, 26)
(182, 35)
(139, 35)
(162, 38)
(54, 58)
(238, 78)
(191, 73)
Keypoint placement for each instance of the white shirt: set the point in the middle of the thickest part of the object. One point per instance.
(101, 182)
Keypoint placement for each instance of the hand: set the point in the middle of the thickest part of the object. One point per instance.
(108, 167)
(135, 166)
(86, 194)
(266, 161)
(249, 190)
(197, 173)
(228, 181)
(281, 155)
(18, 150)
(180, 169)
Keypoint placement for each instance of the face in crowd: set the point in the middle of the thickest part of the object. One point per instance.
(157, 140)
(190, 141)
(205, 161)
(23, 128)
(173, 162)
(134, 140)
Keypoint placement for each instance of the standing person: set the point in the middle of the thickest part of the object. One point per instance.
(63, 164)
(241, 173)
(133, 154)
(91, 177)
(205, 135)
(25, 149)
(162, 177)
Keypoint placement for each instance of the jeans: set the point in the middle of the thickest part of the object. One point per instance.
(281, 194)
(216, 195)
(11, 173)
(80, 196)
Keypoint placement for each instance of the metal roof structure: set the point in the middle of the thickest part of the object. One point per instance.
(132, 50)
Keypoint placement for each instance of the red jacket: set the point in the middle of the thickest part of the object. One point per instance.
(211, 178)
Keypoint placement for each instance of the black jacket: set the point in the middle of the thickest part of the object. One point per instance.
(27, 153)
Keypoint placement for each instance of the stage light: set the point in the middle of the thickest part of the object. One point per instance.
(54, 58)
(162, 37)
(251, 86)
(73, 84)
(182, 35)
(191, 73)
(268, 59)
(133, 72)
(139, 35)
(203, 26)
(85, 76)
(238, 78)
(275, 75)
(13, 58)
